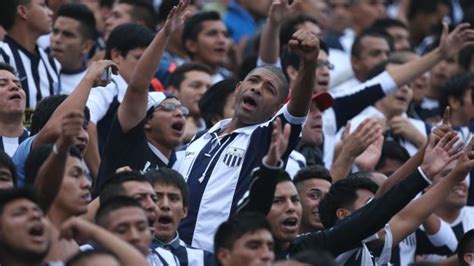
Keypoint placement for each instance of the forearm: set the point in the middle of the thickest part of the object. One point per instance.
(342, 166)
(91, 155)
(49, 178)
(301, 93)
(269, 49)
(408, 219)
(127, 254)
(402, 74)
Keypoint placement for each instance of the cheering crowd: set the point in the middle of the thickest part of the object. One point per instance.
(236, 132)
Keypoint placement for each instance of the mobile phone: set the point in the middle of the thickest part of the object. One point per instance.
(106, 75)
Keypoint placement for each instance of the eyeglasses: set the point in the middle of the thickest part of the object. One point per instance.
(326, 63)
(170, 107)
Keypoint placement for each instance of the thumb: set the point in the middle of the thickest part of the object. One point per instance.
(445, 32)
(347, 130)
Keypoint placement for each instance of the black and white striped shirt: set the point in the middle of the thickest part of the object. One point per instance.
(39, 74)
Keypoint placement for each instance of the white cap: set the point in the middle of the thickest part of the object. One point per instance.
(154, 99)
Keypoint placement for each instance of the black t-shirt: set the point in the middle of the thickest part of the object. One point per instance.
(126, 149)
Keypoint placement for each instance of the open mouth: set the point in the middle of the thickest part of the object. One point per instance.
(220, 50)
(15, 97)
(178, 126)
(86, 197)
(290, 222)
(249, 102)
(36, 230)
(165, 220)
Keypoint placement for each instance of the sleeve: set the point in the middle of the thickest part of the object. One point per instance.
(99, 101)
(277, 64)
(368, 220)
(348, 106)
(19, 159)
(444, 237)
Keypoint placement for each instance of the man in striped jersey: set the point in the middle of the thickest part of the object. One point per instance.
(25, 21)
(218, 163)
(12, 107)
(172, 206)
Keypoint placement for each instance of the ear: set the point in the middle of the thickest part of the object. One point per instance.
(87, 46)
(292, 73)
(147, 126)
(116, 56)
(454, 103)
(355, 63)
(468, 258)
(185, 212)
(342, 213)
(22, 11)
(223, 256)
(173, 90)
(191, 46)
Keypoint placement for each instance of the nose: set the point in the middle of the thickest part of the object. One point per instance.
(266, 254)
(85, 183)
(134, 235)
(164, 203)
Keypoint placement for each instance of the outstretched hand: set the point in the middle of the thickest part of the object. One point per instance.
(465, 162)
(365, 134)
(305, 45)
(176, 17)
(461, 37)
(439, 154)
(279, 143)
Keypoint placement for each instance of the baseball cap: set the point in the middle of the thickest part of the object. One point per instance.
(323, 99)
(154, 99)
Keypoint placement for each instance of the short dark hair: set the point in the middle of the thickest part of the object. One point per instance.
(212, 102)
(8, 67)
(9, 195)
(6, 162)
(312, 172)
(466, 245)
(237, 226)
(385, 23)
(45, 109)
(169, 177)
(342, 194)
(392, 150)
(113, 204)
(38, 156)
(193, 26)
(114, 185)
(288, 27)
(424, 6)
(357, 46)
(8, 12)
(127, 37)
(83, 15)
(142, 10)
(176, 78)
(285, 87)
(455, 87)
(81, 258)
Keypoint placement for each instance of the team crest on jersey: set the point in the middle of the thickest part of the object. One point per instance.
(233, 157)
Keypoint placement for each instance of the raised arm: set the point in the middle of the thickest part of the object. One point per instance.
(442, 153)
(83, 231)
(306, 46)
(50, 175)
(451, 43)
(269, 49)
(133, 108)
(75, 101)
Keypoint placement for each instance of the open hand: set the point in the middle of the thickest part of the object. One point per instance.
(461, 37)
(176, 17)
(439, 155)
(279, 143)
(370, 157)
(465, 162)
(365, 134)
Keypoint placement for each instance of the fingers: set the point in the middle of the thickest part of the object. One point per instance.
(347, 130)
(446, 116)
(287, 132)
